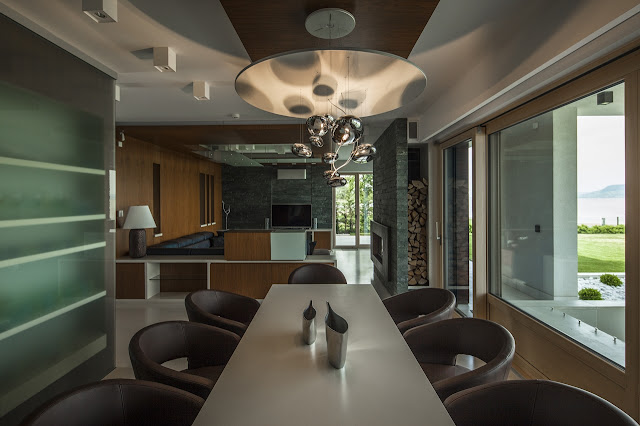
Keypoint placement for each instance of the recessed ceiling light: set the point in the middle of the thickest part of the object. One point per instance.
(101, 11)
(164, 59)
(201, 90)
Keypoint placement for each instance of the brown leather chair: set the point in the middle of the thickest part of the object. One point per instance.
(317, 273)
(532, 402)
(119, 402)
(436, 346)
(230, 311)
(418, 307)
(206, 348)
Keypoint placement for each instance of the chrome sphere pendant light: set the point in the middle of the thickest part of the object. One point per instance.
(362, 81)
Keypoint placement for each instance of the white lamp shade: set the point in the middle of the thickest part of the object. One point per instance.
(139, 217)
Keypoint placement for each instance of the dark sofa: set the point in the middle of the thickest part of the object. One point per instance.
(200, 243)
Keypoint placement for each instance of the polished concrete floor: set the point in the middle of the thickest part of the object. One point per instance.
(133, 315)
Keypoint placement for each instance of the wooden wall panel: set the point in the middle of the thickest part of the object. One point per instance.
(247, 245)
(543, 353)
(179, 186)
(323, 240)
(130, 281)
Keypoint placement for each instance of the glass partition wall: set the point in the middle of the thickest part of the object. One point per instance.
(557, 219)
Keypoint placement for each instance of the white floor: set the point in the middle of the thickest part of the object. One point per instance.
(133, 315)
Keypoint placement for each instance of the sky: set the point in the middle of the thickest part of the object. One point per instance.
(600, 152)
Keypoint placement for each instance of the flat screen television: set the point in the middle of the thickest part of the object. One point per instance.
(291, 215)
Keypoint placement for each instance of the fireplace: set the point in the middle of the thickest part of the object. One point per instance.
(379, 249)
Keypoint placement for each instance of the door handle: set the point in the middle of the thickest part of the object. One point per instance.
(438, 237)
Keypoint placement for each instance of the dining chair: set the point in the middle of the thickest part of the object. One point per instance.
(206, 348)
(532, 402)
(230, 311)
(437, 345)
(317, 273)
(119, 402)
(418, 307)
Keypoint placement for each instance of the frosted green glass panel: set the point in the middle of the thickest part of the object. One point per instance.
(56, 252)
(40, 129)
(23, 241)
(27, 192)
(28, 291)
(42, 354)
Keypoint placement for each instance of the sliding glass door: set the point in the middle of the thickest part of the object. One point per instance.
(354, 211)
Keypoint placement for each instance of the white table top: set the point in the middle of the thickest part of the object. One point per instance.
(273, 378)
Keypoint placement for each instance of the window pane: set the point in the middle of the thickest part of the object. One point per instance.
(366, 207)
(557, 212)
(346, 212)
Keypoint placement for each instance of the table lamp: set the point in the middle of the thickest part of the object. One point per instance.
(138, 218)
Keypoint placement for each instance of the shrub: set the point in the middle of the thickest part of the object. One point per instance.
(589, 294)
(601, 229)
(610, 279)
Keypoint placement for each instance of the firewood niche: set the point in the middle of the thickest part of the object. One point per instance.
(417, 219)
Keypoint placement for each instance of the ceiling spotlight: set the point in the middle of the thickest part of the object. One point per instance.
(201, 90)
(605, 98)
(328, 174)
(363, 153)
(164, 59)
(336, 181)
(330, 157)
(101, 11)
(301, 150)
(317, 125)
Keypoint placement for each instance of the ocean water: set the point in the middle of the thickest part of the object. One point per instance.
(592, 210)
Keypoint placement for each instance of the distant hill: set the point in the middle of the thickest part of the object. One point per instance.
(611, 191)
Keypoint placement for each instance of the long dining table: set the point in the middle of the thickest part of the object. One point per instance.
(273, 378)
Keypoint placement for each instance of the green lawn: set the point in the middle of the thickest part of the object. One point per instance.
(600, 252)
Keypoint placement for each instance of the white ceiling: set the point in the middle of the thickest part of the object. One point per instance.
(470, 51)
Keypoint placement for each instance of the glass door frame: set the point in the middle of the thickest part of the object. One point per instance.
(477, 139)
(357, 243)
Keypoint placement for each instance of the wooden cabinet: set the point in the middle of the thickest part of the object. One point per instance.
(323, 239)
(146, 277)
(247, 245)
(248, 279)
(130, 281)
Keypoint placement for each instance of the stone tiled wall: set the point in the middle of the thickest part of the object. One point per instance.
(390, 202)
(250, 191)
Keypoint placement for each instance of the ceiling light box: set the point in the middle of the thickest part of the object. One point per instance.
(201, 90)
(101, 11)
(164, 59)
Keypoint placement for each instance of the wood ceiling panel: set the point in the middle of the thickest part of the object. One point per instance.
(182, 138)
(268, 28)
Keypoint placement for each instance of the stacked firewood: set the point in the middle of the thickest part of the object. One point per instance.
(417, 198)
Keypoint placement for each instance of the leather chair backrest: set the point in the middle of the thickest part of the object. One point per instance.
(119, 402)
(201, 344)
(532, 402)
(441, 342)
(317, 273)
(227, 305)
(422, 306)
